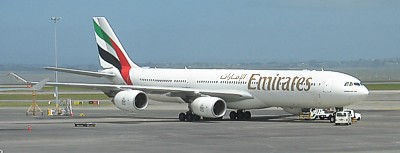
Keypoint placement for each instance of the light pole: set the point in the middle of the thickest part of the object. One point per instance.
(55, 19)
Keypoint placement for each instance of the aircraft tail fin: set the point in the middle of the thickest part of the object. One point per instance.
(40, 85)
(111, 52)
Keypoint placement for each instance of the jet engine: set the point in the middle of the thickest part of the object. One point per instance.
(210, 107)
(130, 100)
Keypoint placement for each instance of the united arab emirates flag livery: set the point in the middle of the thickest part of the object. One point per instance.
(111, 52)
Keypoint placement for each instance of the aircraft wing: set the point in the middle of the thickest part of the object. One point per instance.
(35, 87)
(80, 72)
(227, 95)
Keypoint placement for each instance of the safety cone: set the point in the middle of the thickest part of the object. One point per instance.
(29, 128)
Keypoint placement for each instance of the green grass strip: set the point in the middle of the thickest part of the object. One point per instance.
(383, 86)
(45, 104)
(51, 97)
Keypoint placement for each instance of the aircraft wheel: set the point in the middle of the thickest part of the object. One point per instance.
(182, 117)
(247, 115)
(240, 115)
(196, 117)
(233, 115)
(189, 117)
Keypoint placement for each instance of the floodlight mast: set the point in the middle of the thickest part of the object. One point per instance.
(55, 19)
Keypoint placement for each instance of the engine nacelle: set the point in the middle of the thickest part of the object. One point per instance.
(131, 100)
(210, 107)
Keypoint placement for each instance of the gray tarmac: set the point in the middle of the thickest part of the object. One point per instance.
(158, 130)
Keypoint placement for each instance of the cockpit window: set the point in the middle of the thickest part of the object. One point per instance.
(352, 83)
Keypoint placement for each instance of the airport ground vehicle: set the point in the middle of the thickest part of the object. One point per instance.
(354, 115)
(314, 113)
(342, 117)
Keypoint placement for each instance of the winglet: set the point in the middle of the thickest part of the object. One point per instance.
(40, 85)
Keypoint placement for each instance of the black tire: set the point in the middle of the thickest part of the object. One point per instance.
(331, 119)
(247, 115)
(196, 117)
(233, 115)
(182, 117)
(240, 115)
(189, 117)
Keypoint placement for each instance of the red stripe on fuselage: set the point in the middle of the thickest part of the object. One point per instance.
(125, 66)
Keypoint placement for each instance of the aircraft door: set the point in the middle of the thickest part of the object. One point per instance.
(328, 85)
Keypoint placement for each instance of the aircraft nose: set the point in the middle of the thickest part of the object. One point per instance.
(363, 92)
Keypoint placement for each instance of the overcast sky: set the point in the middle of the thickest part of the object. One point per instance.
(202, 31)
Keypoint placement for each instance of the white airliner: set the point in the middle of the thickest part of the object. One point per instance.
(210, 92)
(35, 87)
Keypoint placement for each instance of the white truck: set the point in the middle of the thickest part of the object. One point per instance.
(342, 118)
(354, 115)
(323, 114)
(314, 113)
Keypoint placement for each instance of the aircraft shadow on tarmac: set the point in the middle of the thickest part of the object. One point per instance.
(127, 119)
(276, 118)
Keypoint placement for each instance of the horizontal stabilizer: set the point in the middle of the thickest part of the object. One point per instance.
(80, 72)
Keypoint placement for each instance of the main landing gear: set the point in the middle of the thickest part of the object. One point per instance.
(189, 116)
(240, 115)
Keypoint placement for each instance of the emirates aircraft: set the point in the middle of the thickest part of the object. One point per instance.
(210, 92)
